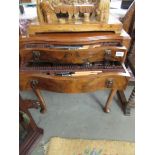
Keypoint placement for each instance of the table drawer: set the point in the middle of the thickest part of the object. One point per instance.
(77, 84)
(74, 56)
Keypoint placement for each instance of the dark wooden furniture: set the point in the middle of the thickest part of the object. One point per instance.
(129, 26)
(77, 53)
(74, 63)
(78, 82)
(74, 48)
(29, 131)
(129, 20)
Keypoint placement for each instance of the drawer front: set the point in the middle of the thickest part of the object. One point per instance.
(79, 84)
(74, 56)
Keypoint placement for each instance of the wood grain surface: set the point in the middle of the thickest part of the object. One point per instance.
(77, 84)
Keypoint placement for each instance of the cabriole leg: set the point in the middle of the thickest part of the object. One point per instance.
(38, 94)
(109, 101)
(41, 100)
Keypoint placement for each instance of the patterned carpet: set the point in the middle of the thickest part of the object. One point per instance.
(60, 146)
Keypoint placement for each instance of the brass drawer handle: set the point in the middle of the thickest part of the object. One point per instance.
(107, 53)
(109, 83)
(36, 55)
(34, 83)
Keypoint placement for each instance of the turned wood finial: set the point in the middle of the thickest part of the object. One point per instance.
(48, 12)
(39, 12)
(86, 17)
(103, 10)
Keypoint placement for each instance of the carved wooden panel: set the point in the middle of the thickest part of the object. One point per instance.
(76, 10)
